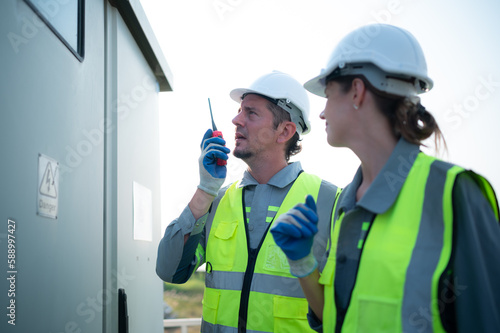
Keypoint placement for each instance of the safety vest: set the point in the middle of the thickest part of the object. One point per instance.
(252, 289)
(406, 252)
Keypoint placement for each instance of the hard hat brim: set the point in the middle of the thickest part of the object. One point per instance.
(316, 85)
(237, 94)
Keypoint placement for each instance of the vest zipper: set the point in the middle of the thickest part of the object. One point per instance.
(340, 319)
(247, 279)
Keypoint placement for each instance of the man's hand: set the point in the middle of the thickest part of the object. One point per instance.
(212, 176)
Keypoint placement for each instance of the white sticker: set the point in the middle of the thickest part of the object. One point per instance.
(48, 187)
(143, 213)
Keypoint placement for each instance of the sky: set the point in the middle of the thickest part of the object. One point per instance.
(214, 46)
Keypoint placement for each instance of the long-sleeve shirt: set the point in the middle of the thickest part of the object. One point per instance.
(470, 300)
(176, 261)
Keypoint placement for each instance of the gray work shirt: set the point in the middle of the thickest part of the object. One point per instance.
(472, 303)
(176, 261)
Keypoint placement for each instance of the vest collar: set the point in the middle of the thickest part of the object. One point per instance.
(384, 190)
(283, 178)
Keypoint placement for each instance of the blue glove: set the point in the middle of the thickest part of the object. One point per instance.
(212, 176)
(294, 232)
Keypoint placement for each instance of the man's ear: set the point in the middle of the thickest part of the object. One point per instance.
(286, 131)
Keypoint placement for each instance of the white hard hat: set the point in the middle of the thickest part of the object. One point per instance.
(389, 57)
(286, 92)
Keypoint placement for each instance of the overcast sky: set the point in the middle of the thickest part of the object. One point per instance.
(213, 46)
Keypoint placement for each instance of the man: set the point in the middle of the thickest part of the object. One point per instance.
(248, 284)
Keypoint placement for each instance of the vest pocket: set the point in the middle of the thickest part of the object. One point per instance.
(290, 314)
(226, 230)
(276, 260)
(210, 303)
(225, 246)
(377, 314)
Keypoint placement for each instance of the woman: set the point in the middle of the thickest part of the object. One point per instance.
(415, 241)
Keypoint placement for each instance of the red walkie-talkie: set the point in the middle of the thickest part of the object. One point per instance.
(216, 133)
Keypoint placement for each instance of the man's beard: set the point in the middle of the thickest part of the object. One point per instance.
(243, 155)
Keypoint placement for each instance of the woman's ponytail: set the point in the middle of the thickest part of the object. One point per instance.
(414, 123)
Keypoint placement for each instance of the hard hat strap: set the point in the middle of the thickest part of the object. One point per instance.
(295, 114)
(380, 80)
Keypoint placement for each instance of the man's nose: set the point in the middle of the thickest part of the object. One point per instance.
(238, 120)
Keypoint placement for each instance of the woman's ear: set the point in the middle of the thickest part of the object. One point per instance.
(358, 92)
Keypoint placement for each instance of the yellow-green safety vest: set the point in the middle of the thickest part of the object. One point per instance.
(405, 253)
(272, 296)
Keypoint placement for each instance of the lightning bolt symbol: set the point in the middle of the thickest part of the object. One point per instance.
(48, 180)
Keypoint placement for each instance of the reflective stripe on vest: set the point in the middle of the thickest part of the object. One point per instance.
(262, 283)
(407, 250)
(207, 327)
(276, 301)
